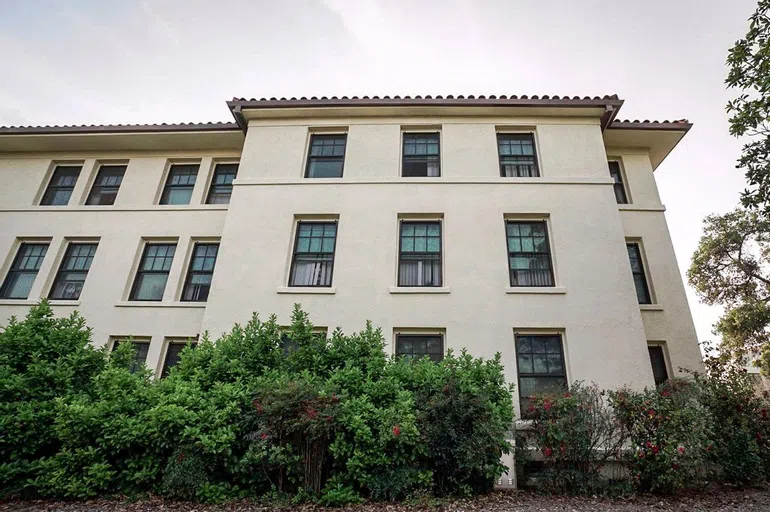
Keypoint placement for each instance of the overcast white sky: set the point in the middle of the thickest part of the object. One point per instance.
(111, 61)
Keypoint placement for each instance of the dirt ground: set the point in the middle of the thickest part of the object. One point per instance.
(498, 501)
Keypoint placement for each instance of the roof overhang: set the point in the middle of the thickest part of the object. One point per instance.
(658, 138)
(216, 136)
(603, 108)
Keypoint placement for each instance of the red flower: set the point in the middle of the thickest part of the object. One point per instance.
(740, 408)
(763, 412)
(548, 452)
(666, 393)
(675, 465)
(567, 395)
(180, 457)
(648, 444)
(257, 405)
(547, 405)
(311, 413)
(531, 408)
(651, 412)
(759, 436)
(263, 436)
(396, 431)
(681, 449)
(655, 449)
(709, 447)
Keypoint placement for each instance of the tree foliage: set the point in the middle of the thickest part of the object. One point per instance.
(731, 267)
(749, 72)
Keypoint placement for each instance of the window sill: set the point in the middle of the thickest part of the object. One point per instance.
(419, 289)
(544, 290)
(311, 290)
(650, 307)
(158, 304)
(18, 302)
(61, 302)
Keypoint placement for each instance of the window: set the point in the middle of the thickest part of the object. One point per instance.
(326, 156)
(196, 288)
(658, 361)
(313, 261)
(288, 344)
(73, 271)
(174, 354)
(23, 271)
(421, 155)
(222, 184)
(619, 187)
(151, 277)
(179, 184)
(529, 255)
(637, 269)
(518, 158)
(106, 185)
(540, 363)
(419, 262)
(412, 346)
(61, 185)
(140, 356)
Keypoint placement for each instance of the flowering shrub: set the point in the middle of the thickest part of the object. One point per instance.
(577, 434)
(670, 432)
(334, 420)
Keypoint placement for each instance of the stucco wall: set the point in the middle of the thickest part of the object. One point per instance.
(593, 303)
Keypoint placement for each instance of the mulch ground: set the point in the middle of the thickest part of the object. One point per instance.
(498, 501)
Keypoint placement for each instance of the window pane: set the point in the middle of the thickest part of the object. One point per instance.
(325, 169)
(150, 286)
(178, 195)
(61, 185)
(18, 285)
(658, 361)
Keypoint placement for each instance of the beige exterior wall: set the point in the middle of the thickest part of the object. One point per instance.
(593, 304)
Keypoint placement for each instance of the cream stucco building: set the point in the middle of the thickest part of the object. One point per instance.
(526, 226)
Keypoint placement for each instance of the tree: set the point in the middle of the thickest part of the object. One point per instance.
(749, 72)
(731, 267)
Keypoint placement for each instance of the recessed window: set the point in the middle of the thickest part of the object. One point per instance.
(518, 158)
(222, 184)
(619, 187)
(540, 364)
(23, 271)
(73, 271)
(326, 156)
(61, 185)
(419, 262)
(413, 346)
(179, 184)
(289, 345)
(658, 362)
(637, 269)
(421, 155)
(151, 277)
(529, 254)
(198, 283)
(140, 356)
(106, 185)
(313, 261)
(174, 354)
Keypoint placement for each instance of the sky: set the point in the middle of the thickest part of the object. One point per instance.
(144, 61)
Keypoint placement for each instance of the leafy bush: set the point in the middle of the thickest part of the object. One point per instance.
(334, 420)
(577, 433)
(671, 435)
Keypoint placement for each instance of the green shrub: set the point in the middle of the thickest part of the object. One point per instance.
(577, 433)
(670, 432)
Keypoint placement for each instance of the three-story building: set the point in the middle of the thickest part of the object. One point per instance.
(526, 226)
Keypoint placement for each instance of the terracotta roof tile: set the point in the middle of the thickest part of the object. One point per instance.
(119, 128)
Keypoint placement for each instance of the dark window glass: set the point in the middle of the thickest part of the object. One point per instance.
(416, 346)
(222, 184)
(617, 177)
(106, 185)
(326, 156)
(637, 269)
(518, 158)
(658, 361)
(23, 271)
(150, 282)
(140, 357)
(421, 155)
(289, 345)
(529, 254)
(313, 261)
(73, 271)
(198, 283)
(540, 363)
(419, 262)
(179, 184)
(173, 355)
(61, 185)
